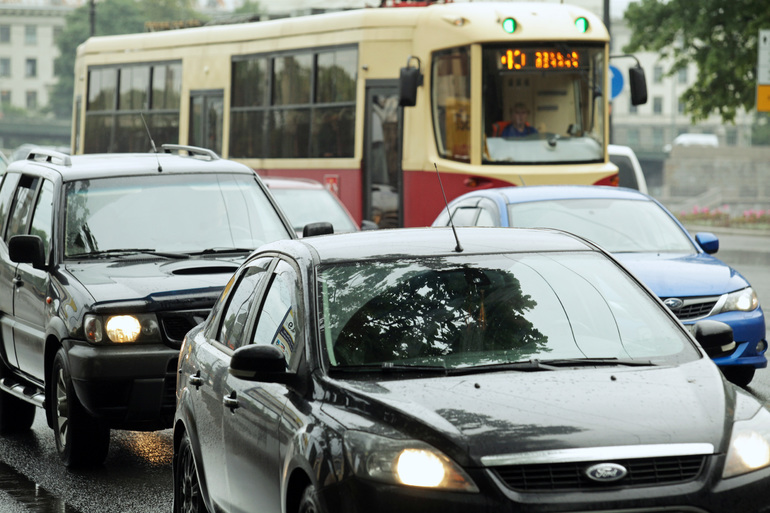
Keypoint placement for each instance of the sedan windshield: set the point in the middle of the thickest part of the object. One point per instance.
(172, 213)
(466, 311)
(614, 224)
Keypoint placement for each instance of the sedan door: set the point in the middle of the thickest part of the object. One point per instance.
(251, 429)
(209, 375)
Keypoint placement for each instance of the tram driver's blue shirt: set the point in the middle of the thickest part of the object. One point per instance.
(511, 131)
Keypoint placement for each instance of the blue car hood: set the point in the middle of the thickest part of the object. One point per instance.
(680, 275)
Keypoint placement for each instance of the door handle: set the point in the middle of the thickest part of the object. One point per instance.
(196, 380)
(231, 401)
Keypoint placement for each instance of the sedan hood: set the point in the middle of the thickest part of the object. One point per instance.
(478, 415)
(677, 275)
(152, 281)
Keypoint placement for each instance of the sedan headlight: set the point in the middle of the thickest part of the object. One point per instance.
(744, 300)
(749, 445)
(121, 329)
(404, 462)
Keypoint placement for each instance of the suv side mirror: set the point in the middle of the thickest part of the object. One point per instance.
(27, 249)
(367, 224)
(708, 242)
(716, 338)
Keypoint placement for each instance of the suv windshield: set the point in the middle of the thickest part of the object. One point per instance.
(465, 311)
(171, 213)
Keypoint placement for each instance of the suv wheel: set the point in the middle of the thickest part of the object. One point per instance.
(81, 440)
(187, 487)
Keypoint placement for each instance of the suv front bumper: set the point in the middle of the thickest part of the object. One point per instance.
(129, 386)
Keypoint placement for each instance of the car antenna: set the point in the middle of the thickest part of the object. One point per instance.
(458, 248)
(152, 143)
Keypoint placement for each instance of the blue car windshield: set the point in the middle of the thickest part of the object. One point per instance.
(463, 311)
(617, 225)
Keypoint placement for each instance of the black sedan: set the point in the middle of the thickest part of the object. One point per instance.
(509, 370)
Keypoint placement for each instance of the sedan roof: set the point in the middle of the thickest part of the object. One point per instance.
(432, 242)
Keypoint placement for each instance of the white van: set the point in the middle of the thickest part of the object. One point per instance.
(630, 171)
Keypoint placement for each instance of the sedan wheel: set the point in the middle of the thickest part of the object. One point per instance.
(187, 488)
(81, 440)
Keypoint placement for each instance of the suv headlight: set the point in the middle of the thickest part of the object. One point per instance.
(120, 329)
(749, 448)
(404, 462)
(744, 300)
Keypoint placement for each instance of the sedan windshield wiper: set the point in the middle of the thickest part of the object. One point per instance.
(390, 367)
(128, 251)
(215, 251)
(591, 362)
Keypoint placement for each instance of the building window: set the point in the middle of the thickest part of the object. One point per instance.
(5, 67)
(657, 74)
(657, 137)
(632, 109)
(731, 136)
(31, 100)
(31, 68)
(30, 35)
(57, 31)
(680, 107)
(633, 137)
(5, 33)
(5, 97)
(657, 105)
(682, 76)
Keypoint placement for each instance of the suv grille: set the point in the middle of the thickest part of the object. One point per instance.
(694, 308)
(571, 476)
(175, 325)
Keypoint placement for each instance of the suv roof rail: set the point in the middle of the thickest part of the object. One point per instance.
(191, 150)
(49, 156)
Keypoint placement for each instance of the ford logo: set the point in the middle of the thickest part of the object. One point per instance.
(674, 303)
(606, 472)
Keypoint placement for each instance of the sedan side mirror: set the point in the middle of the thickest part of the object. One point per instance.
(27, 249)
(319, 228)
(256, 362)
(716, 338)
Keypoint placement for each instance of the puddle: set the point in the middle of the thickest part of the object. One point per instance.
(29, 494)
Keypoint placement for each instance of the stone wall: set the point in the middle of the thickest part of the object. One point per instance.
(713, 177)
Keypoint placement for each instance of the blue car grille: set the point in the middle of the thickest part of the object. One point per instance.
(694, 308)
(571, 476)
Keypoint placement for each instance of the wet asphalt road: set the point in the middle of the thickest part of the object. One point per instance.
(137, 478)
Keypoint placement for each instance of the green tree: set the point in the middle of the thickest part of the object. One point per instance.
(720, 36)
(111, 17)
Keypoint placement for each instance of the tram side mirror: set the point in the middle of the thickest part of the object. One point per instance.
(638, 85)
(409, 80)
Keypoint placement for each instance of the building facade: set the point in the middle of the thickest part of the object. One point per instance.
(27, 53)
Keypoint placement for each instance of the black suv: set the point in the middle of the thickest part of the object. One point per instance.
(106, 261)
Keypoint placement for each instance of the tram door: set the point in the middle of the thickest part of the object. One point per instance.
(383, 181)
(206, 111)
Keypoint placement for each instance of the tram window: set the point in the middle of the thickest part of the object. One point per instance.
(451, 87)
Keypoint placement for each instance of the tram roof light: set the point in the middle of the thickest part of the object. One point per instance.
(582, 25)
(509, 25)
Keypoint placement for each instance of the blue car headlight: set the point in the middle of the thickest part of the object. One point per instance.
(744, 300)
(749, 448)
(404, 462)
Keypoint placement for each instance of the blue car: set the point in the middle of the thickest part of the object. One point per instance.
(650, 242)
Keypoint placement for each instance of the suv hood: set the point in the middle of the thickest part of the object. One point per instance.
(153, 280)
(499, 413)
(678, 275)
